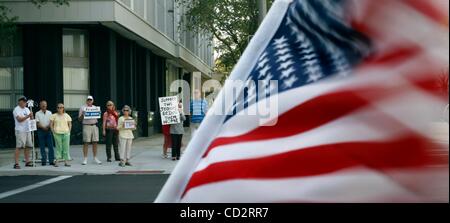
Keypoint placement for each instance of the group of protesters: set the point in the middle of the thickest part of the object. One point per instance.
(53, 130)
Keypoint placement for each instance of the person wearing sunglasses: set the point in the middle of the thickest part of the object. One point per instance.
(110, 132)
(125, 136)
(61, 125)
(90, 131)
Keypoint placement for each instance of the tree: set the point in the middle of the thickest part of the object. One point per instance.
(231, 23)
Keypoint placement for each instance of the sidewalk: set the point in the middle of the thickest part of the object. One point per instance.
(146, 159)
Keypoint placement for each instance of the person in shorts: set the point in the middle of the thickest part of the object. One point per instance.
(90, 131)
(22, 115)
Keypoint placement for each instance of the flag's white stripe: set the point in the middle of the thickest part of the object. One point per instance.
(354, 127)
(370, 76)
(350, 185)
(174, 186)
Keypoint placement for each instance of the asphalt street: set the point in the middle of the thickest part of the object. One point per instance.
(81, 188)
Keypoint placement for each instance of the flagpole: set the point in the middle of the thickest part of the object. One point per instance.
(262, 10)
(174, 186)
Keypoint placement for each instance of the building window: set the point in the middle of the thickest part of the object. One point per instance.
(76, 67)
(11, 71)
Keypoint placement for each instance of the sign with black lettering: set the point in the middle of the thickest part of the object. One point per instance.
(93, 112)
(32, 125)
(169, 110)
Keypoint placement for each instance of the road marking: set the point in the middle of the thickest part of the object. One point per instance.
(33, 186)
(140, 172)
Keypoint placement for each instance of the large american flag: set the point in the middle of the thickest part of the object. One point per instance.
(356, 95)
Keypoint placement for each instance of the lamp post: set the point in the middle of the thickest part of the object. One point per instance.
(30, 105)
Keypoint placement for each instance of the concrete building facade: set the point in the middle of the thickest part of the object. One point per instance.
(128, 51)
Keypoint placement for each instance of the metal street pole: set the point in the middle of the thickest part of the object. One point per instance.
(262, 9)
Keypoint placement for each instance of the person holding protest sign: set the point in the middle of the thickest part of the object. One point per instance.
(126, 125)
(44, 133)
(22, 115)
(176, 133)
(61, 125)
(88, 115)
(110, 132)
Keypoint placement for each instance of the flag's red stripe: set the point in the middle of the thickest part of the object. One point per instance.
(411, 151)
(393, 57)
(430, 10)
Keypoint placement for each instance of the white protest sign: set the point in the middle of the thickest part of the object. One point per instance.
(32, 126)
(93, 112)
(129, 124)
(169, 110)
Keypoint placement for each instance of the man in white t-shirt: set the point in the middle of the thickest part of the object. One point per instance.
(44, 133)
(22, 116)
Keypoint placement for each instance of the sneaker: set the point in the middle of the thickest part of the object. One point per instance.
(108, 160)
(84, 162)
(97, 161)
(128, 164)
(16, 166)
(164, 156)
(121, 164)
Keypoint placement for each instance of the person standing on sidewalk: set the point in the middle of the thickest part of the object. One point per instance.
(167, 140)
(110, 132)
(125, 136)
(22, 116)
(198, 109)
(44, 133)
(61, 125)
(90, 131)
(176, 133)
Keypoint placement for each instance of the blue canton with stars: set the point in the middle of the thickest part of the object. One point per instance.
(312, 42)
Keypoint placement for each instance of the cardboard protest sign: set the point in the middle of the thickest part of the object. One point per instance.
(129, 124)
(32, 126)
(93, 112)
(169, 110)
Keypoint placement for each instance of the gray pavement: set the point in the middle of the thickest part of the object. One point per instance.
(85, 189)
(146, 159)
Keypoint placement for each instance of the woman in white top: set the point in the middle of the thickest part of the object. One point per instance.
(126, 125)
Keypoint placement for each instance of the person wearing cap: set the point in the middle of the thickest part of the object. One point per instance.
(44, 133)
(22, 115)
(90, 131)
(125, 137)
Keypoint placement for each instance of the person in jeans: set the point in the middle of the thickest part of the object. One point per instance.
(125, 137)
(61, 125)
(22, 116)
(90, 131)
(176, 133)
(198, 109)
(44, 133)
(110, 132)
